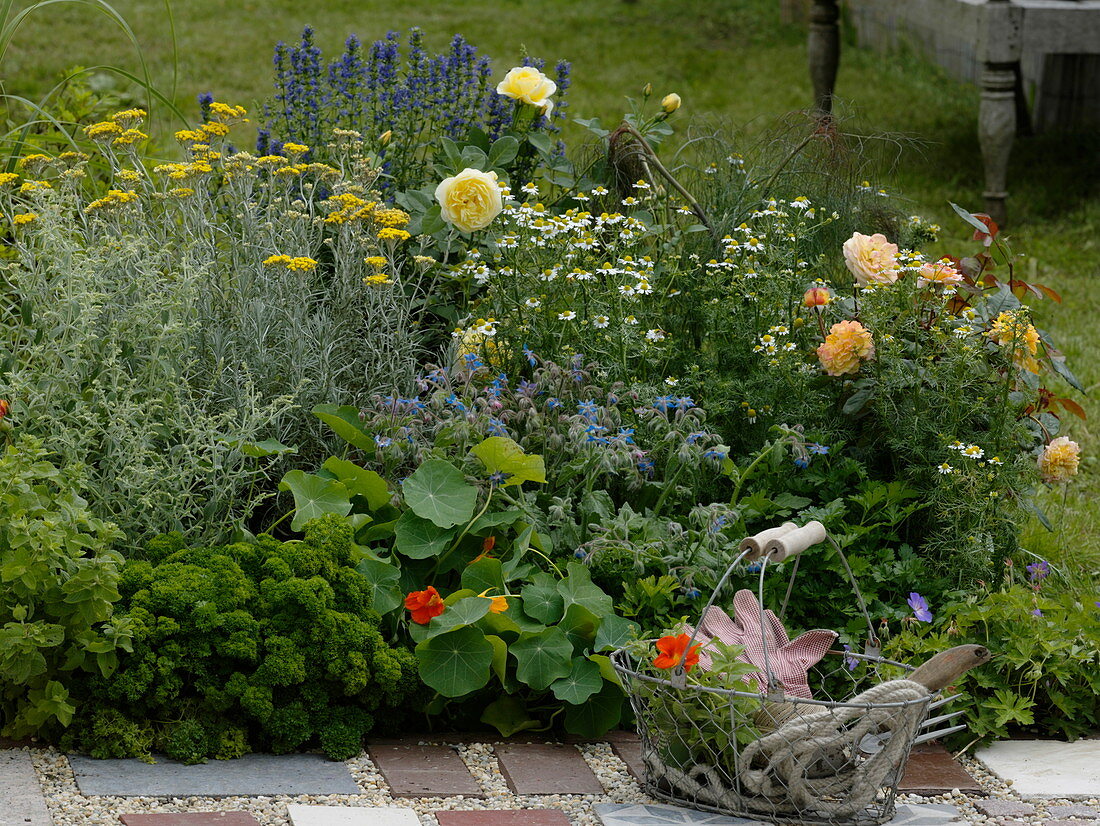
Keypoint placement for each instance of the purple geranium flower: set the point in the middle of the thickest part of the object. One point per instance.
(919, 606)
(852, 663)
(1038, 571)
(1036, 613)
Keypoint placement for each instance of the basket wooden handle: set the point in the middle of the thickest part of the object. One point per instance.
(792, 543)
(755, 544)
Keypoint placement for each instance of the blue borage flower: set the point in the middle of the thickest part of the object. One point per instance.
(499, 477)
(553, 403)
(625, 435)
(527, 388)
(820, 450)
(383, 441)
(529, 354)
(453, 400)
(802, 462)
(589, 410)
(715, 454)
(692, 593)
(594, 435)
(692, 438)
(496, 427)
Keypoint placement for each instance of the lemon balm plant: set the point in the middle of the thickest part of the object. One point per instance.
(162, 329)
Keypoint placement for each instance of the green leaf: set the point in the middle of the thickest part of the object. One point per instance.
(607, 670)
(508, 715)
(503, 151)
(597, 715)
(614, 632)
(541, 142)
(495, 519)
(543, 657)
(462, 613)
(344, 421)
(437, 491)
(865, 390)
(969, 218)
(483, 574)
(456, 663)
(578, 589)
(579, 625)
(314, 496)
(418, 538)
(383, 578)
(360, 481)
(500, 454)
(579, 684)
(500, 657)
(542, 600)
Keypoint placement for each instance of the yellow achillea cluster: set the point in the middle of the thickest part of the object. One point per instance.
(272, 161)
(216, 129)
(349, 207)
(847, 344)
(375, 261)
(8, 178)
(228, 114)
(300, 264)
(392, 234)
(183, 171)
(181, 192)
(128, 117)
(295, 148)
(131, 176)
(378, 279)
(129, 137)
(1059, 460)
(24, 218)
(113, 198)
(103, 130)
(33, 161)
(391, 217)
(190, 136)
(1016, 333)
(34, 186)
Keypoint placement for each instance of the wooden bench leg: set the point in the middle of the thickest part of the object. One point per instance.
(824, 52)
(996, 132)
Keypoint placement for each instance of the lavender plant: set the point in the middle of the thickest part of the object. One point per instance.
(401, 100)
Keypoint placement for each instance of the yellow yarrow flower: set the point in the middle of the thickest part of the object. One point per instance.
(272, 161)
(288, 172)
(24, 218)
(8, 178)
(131, 176)
(128, 117)
(130, 137)
(277, 260)
(190, 136)
(113, 198)
(227, 113)
(33, 161)
(102, 130)
(34, 186)
(302, 264)
(295, 148)
(375, 261)
(181, 192)
(215, 129)
(391, 217)
(378, 279)
(392, 234)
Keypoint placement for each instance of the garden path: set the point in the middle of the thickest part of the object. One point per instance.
(458, 781)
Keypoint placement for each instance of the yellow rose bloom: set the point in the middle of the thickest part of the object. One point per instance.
(670, 103)
(872, 259)
(470, 200)
(1020, 337)
(529, 85)
(1059, 460)
(847, 344)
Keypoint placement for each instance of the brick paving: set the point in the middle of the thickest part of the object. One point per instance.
(932, 770)
(503, 817)
(189, 819)
(1004, 808)
(418, 770)
(546, 768)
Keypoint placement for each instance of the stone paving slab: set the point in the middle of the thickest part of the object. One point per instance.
(251, 775)
(1004, 808)
(306, 815)
(932, 770)
(546, 768)
(1078, 811)
(659, 814)
(1046, 768)
(21, 800)
(503, 817)
(424, 771)
(189, 819)
(630, 752)
(924, 814)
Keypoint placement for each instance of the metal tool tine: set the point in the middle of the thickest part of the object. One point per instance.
(942, 701)
(932, 735)
(943, 718)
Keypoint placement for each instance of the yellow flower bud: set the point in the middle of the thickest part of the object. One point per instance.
(670, 103)
(647, 90)
(384, 138)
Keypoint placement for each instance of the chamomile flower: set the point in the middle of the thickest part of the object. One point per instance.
(568, 315)
(972, 452)
(656, 335)
(532, 303)
(600, 322)
(945, 469)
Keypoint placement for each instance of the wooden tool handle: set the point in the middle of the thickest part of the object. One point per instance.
(756, 544)
(947, 666)
(794, 542)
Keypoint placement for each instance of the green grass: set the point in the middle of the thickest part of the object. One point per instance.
(731, 62)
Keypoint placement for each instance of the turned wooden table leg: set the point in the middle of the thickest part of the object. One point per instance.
(996, 132)
(1000, 47)
(824, 52)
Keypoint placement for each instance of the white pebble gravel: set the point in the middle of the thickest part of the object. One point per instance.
(70, 808)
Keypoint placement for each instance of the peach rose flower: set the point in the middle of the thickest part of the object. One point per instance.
(846, 346)
(1059, 460)
(872, 259)
(942, 273)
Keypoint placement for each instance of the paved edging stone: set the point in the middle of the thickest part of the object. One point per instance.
(21, 800)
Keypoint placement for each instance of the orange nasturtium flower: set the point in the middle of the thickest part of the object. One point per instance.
(672, 651)
(424, 605)
(4, 408)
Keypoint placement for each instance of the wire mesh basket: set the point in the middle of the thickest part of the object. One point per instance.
(763, 753)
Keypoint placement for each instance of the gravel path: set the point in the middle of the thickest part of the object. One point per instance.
(69, 808)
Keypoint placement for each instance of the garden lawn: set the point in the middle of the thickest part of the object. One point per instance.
(731, 62)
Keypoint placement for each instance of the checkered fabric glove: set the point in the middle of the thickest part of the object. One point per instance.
(790, 659)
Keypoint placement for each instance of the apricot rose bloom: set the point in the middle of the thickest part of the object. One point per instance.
(672, 650)
(847, 344)
(872, 259)
(816, 298)
(942, 273)
(1059, 460)
(470, 200)
(423, 605)
(528, 84)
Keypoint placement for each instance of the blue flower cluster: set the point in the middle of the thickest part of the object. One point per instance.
(414, 94)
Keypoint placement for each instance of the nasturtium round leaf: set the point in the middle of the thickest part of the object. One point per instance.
(579, 625)
(455, 663)
(359, 481)
(598, 714)
(437, 491)
(543, 657)
(579, 684)
(419, 538)
(578, 589)
(500, 657)
(482, 574)
(382, 578)
(345, 423)
(542, 600)
(314, 496)
(508, 715)
(502, 455)
(614, 632)
(464, 612)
